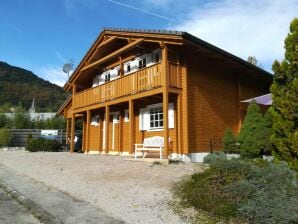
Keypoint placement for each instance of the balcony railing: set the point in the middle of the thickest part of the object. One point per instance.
(136, 82)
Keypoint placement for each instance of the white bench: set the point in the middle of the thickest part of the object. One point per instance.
(150, 144)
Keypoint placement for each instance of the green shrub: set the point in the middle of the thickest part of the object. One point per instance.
(251, 192)
(250, 138)
(229, 142)
(214, 157)
(46, 145)
(5, 137)
(272, 195)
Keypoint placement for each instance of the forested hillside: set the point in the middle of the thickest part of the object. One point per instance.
(20, 86)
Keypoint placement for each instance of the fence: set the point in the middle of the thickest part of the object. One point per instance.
(19, 136)
(215, 145)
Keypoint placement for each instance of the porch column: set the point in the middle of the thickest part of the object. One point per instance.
(107, 118)
(131, 126)
(100, 133)
(72, 133)
(178, 126)
(67, 131)
(88, 129)
(120, 131)
(165, 94)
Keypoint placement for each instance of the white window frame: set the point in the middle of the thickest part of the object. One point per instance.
(156, 106)
(144, 117)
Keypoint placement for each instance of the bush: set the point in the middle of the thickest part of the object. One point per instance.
(5, 137)
(229, 142)
(258, 192)
(214, 157)
(46, 145)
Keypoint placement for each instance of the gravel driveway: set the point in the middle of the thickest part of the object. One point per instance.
(133, 191)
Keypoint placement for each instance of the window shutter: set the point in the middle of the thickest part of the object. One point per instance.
(141, 118)
(146, 119)
(171, 115)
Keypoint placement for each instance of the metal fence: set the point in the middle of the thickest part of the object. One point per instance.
(19, 136)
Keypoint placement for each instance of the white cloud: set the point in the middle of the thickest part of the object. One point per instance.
(245, 28)
(53, 74)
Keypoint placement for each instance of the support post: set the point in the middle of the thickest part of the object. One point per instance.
(120, 130)
(72, 133)
(131, 126)
(67, 131)
(100, 133)
(178, 126)
(88, 130)
(107, 125)
(165, 94)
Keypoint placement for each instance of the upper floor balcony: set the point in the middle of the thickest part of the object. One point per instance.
(145, 79)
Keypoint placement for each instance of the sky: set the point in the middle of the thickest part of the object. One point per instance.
(42, 35)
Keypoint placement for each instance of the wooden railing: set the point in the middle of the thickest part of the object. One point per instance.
(136, 82)
(174, 75)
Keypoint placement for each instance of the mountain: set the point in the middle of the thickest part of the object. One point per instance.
(18, 85)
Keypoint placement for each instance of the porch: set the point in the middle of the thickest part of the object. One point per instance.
(126, 127)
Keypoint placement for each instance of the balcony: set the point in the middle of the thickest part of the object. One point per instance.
(142, 80)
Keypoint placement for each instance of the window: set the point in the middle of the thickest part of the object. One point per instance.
(107, 77)
(156, 117)
(142, 63)
(155, 57)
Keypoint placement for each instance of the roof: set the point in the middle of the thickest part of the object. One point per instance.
(264, 99)
(184, 35)
(65, 103)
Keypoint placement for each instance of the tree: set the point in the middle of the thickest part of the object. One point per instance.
(5, 122)
(229, 142)
(22, 120)
(266, 132)
(253, 60)
(285, 104)
(249, 136)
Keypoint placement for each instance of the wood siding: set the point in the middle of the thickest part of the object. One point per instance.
(213, 94)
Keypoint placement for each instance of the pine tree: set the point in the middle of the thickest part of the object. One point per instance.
(266, 132)
(250, 134)
(229, 142)
(285, 104)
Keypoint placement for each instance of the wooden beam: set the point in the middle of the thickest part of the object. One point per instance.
(165, 94)
(131, 126)
(114, 54)
(88, 130)
(74, 90)
(100, 46)
(67, 131)
(107, 125)
(120, 130)
(72, 133)
(100, 136)
(106, 42)
(178, 126)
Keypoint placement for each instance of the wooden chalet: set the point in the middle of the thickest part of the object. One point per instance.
(129, 78)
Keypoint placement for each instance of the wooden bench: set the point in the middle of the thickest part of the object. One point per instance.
(155, 143)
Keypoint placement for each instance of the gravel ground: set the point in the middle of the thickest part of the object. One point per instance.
(136, 192)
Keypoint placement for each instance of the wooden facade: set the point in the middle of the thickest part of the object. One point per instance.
(144, 73)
